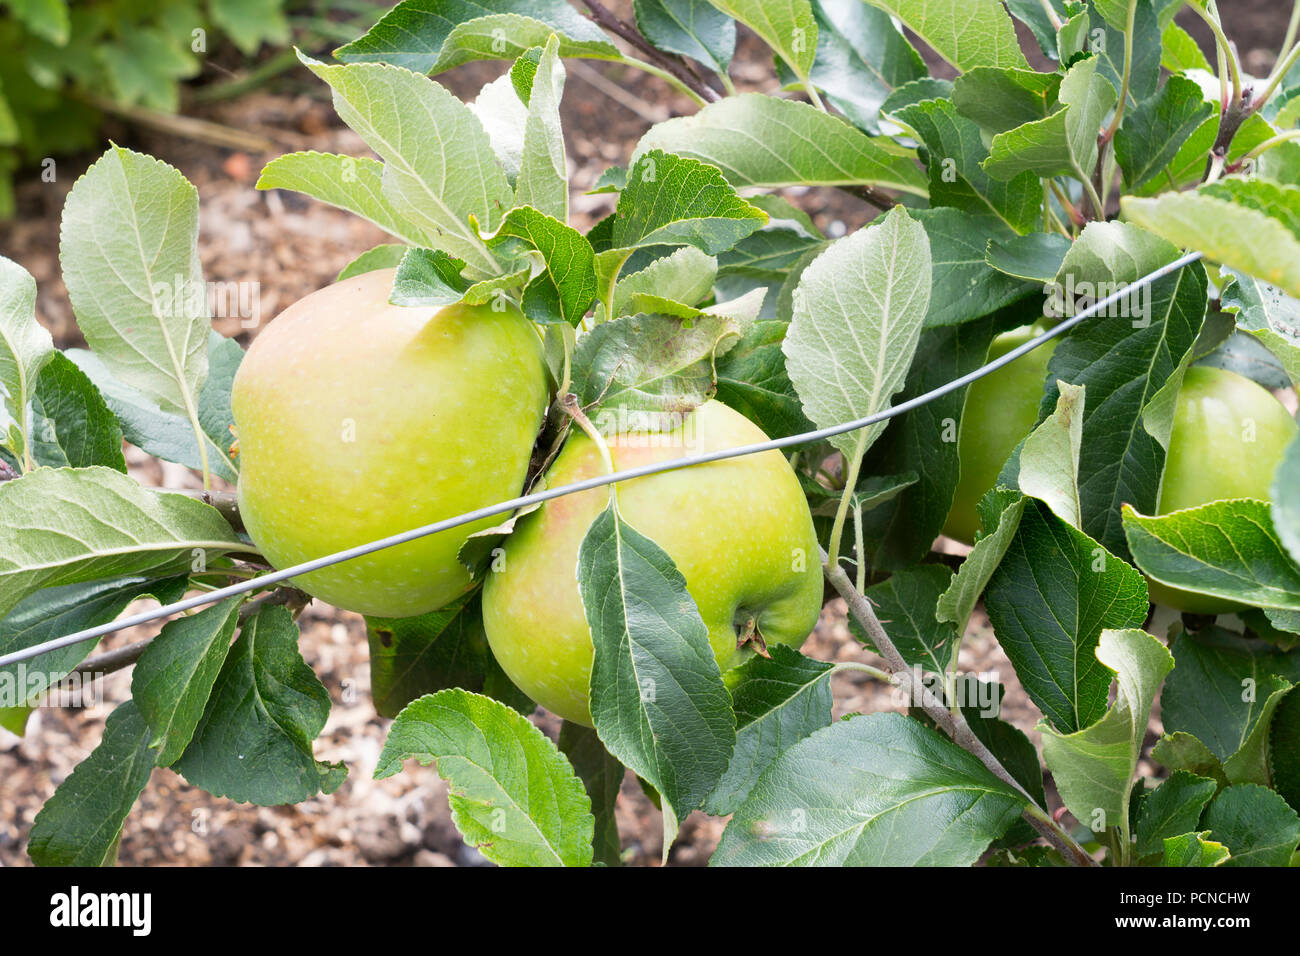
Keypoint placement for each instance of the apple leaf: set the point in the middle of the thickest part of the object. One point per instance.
(1093, 767)
(385, 256)
(1183, 751)
(565, 287)
(657, 697)
(1049, 600)
(1220, 689)
(250, 23)
(866, 291)
(1064, 143)
(693, 28)
(354, 183)
(430, 36)
(513, 795)
(1284, 748)
(69, 525)
(752, 379)
(861, 58)
(543, 180)
(955, 151)
(167, 435)
(1000, 99)
(414, 656)
(47, 19)
(439, 166)
(175, 675)
(128, 244)
(1156, 128)
(1193, 849)
(1254, 759)
(778, 700)
(1267, 313)
(1285, 509)
(25, 348)
(1049, 459)
(1123, 357)
(80, 823)
(874, 790)
(1255, 823)
(906, 603)
(430, 277)
(72, 427)
(602, 776)
(1107, 39)
(1036, 257)
(957, 603)
(253, 743)
(1224, 548)
(759, 140)
(1172, 809)
(55, 612)
(1032, 13)
(787, 26)
(686, 276)
(964, 286)
(1227, 231)
(966, 33)
(672, 200)
(1180, 52)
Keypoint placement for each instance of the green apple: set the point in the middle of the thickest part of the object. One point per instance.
(1228, 437)
(1001, 409)
(358, 419)
(738, 530)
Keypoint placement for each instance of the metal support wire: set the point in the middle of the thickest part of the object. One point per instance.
(275, 577)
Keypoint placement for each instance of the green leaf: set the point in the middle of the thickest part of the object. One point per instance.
(1225, 548)
(1065, 143)
(657, 697)
(1002, 99)
(440, 169)
(671, 200)
(1156, 128)
(686, 276)
(1032, 14)
(55, 612)
(249, 23)
(865, 291)
(759, 140)
(880, 789)
(1228, 232)
(966, 33)
(513, 795)
(143, 65)
(414, 656)
(691, 28)
(81, 822)
(1268, 314)
(1093, 767)
(1050, 600)
(430, 36)
(47, 19)
(1252, 763)
(1220, 689)
(69, 525)
(566, 285)
(1172, 809)
(174, 677)
(602, 776)
(386, 256)
(964, 285)
(787, 26)
(253, 742)
(1036, 257)
(955, 151)
(861, 58)
(1284, 748)
(1255, 823)
(1285, 508)
(1183, 751)
(1107, 38)
(353, 183)
(778, 702)
(905, 604)
(543, 179)
(1180, 52)
(1123, 357)
(752, 379)
(164, 434)
(25, 345)
(1193, 849)
(72, 427)
(957, 603)
(1049, 458)
(128, 245)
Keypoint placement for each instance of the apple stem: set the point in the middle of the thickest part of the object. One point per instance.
(569, 404)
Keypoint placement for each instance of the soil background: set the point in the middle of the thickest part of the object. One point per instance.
(290, 245)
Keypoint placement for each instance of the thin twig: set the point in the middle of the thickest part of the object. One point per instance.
(672, 64)
(953, 722)
(870, 194)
